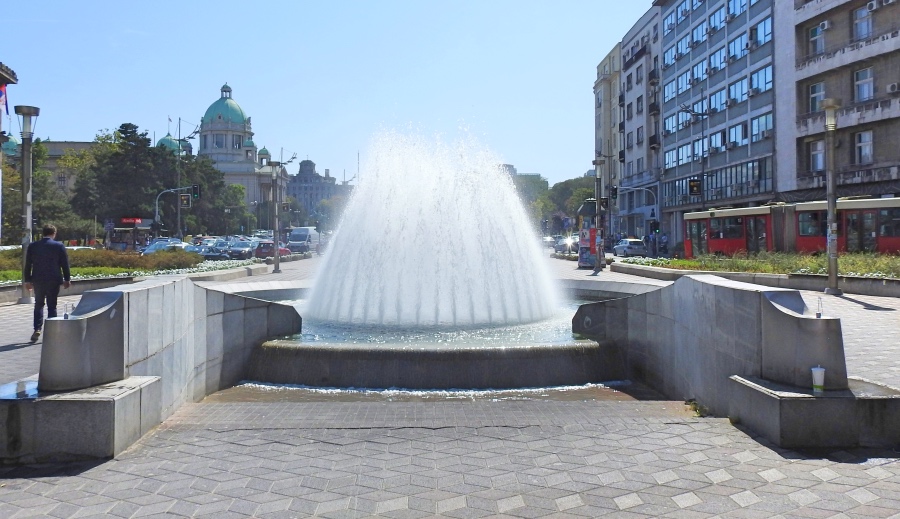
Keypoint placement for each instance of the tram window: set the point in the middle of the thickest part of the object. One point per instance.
(734, 227)
(889, 223)
(813, 224)
(715, 228)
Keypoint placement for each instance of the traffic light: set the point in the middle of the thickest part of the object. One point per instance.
(317, 226)
(195, 191)
(185, 200)
(614, 192)
(654, 226)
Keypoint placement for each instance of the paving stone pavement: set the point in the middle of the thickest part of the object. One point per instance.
(538, 458)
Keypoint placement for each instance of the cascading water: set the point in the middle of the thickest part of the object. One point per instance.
(433, 236)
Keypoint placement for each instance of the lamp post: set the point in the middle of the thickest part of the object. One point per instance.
(703, 147)
(276, 166)
(600, 260)
(831, 107)
(27, 114)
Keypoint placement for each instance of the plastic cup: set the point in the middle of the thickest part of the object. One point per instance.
(818, 375)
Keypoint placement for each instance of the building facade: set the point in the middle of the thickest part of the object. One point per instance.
(309, 188)
(606, 132)
(718, 97)
(638, 188)
(849, 51)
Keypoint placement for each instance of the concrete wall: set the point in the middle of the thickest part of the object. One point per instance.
(685, 340)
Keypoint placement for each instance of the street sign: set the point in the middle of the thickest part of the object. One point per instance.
(109, 226)
(185, 200)
(130, 220)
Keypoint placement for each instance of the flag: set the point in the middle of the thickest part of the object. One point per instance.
(3, 98)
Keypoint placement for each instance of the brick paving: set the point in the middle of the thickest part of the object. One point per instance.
(537, 458)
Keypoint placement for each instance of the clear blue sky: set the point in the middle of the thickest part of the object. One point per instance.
(320, 78)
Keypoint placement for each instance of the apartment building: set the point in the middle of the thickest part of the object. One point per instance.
(606, 128)
(847, 50)
(718, 81)
(638, 187)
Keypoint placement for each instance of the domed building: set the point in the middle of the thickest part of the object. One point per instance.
(226, 137)
(172, 143)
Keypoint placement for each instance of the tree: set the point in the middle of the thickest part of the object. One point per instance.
(12, 205)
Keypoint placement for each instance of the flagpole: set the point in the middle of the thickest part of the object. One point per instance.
(178, 176)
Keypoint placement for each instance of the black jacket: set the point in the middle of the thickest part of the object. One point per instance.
(46, 262)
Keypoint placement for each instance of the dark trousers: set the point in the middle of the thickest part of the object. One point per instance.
(44, 292)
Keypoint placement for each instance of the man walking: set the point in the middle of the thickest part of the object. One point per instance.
(46, 268)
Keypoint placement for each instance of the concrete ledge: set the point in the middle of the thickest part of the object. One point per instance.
(850, 285)
(98, 422)
(865, 415)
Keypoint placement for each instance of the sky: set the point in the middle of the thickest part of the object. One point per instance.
(321, 78)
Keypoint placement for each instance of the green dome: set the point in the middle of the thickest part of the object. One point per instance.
(224, 110)
(11, 147)
(263, 151)
(249, 143)
(169, 142)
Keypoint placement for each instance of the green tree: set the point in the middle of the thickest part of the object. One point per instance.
(12, 205)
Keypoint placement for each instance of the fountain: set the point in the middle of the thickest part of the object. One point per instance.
(433, 279)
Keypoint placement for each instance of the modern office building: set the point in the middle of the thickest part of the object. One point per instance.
(639, 81)
(718, 100)
(606, 131)
(849, 51)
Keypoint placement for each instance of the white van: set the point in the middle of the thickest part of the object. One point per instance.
(303, 239)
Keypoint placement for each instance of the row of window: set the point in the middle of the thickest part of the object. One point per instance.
(218, 141)
(863, 151)
(736, 48)
(748, 177)
(754, 130)
(629, 138)
(862, 26)
(732, 8)
(863, 89)
(759, 81)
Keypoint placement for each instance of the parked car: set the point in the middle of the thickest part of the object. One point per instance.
(266, 249)
(208, 253)
(166, 244)
(568, 244)
(241, 249)
(630, 247)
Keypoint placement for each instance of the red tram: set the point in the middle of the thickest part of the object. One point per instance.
(864, 225)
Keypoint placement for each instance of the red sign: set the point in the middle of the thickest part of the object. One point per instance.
(131, 220)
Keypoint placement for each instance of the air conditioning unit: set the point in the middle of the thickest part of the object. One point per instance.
(729, 17)
(713, 70)
(670, 27)
(666, 132)
(887, 2)
(731, 145)
(695, 80)
(678, 55)
(732, 58)
(754, 45)
(872, 6)
(825, 25)
(753, 92)
(714, 150)
(893, 88)
(767, 134)
(752, 183)
(710, 30)
(729, 102)
(713, 110)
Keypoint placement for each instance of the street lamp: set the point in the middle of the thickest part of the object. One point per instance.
(276, 166)
(831, 107)
(27, 114)
(704, 147)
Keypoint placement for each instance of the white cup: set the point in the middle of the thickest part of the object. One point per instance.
(818, 375)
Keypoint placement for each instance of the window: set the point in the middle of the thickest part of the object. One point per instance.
(684, 154)
(640, 135)
(219, 140)
(628, 82)
(816, 40)
(684, 45)
(669, 23)
(862, 24)
(670, 123)
(738, 46)
(717, 100)
(701, 148)
(889, 223)
(203, 142)
(629, 140)
(699, 32)
(700, 106)
(684, 119)
(684, 81)
(816, 156)
(669, 56)
(628, 112)
(813, 223)
(737, 7)
(629, 168)
(697, 3)
(716, 140)
(864, 147)
(738, 134)
(758, 125)
(684, 9)
(738, 90)
(640, 164)
(762, 32)
(61, 181)
(639, 75)
(864, 86)
(640, 105)
(669, 91)
(762, 79)
(717, 59)
(671, 158)
(700, 71)
(816, 96)
(717, 19)
(236, 142)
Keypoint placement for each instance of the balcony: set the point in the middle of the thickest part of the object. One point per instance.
(848, 52)
(653, 77)
(654, 108)
(622, 156)
(885, 107)
(655, 142)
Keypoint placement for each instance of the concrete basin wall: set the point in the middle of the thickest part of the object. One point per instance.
(686, 339)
